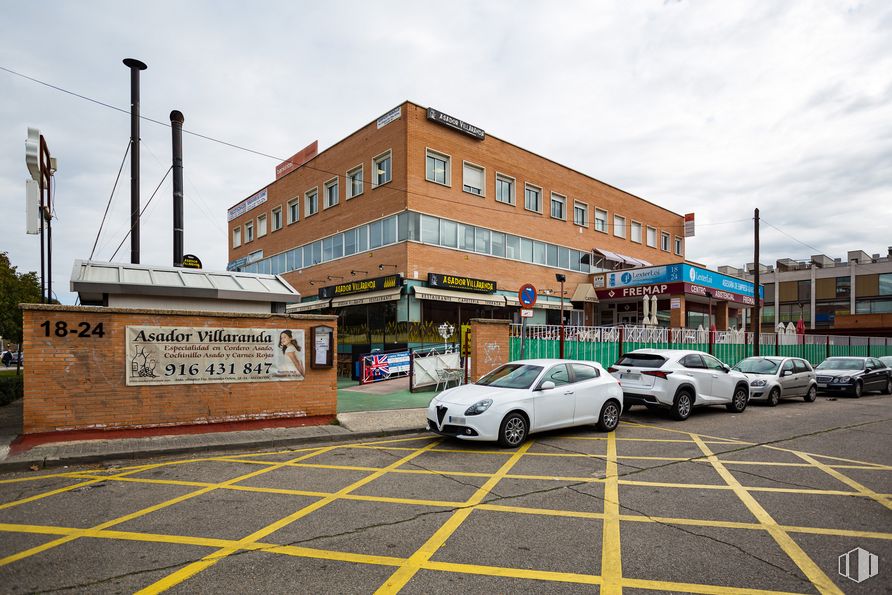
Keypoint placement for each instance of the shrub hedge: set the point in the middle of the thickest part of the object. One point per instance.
(11, 388)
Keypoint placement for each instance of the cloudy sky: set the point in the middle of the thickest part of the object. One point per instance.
(710, 107)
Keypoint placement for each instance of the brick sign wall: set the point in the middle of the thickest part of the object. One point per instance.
(77, 370)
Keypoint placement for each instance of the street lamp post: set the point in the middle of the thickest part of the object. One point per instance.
(709, 320)
(560, 279)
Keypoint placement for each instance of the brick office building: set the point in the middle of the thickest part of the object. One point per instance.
(419, 218)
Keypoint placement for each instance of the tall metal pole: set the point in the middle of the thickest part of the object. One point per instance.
(757, 309)
(176, 127)
(135, 66)
(562, 320)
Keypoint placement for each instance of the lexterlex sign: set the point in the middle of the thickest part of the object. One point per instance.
(695, 280)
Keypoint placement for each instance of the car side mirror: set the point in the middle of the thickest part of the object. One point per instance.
(547, 385)
(786, 373)
(726, 368)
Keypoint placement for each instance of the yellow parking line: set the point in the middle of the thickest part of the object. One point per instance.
(505, 572)
(611, 557)
(862, 489)
(840, 459)
(811, 570)
(192, 569)
(423, 554)
(139, 513)
(634, 583)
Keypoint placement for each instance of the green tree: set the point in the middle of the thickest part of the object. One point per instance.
(15, 288)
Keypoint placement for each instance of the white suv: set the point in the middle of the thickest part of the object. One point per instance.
(679, 380)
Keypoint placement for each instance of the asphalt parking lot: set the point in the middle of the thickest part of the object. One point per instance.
(764, 501)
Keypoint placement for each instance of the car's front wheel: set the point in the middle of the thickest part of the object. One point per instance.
(888, 390)
(812, 394)
(739, 400)
(681, 407)
(609, 418)
(513, 431)
(773, 397)
(858, 390)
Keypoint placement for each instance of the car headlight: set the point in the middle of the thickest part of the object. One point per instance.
(759, 382)
(478, 407)
(843, 379)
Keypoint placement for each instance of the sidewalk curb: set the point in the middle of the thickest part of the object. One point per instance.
(47, 463)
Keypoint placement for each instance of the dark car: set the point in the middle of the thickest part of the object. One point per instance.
(854, 375)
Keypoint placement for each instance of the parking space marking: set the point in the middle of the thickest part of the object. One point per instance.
(611, 556)
(862, 489)
(790, 547)
(192, 569)
(423, 554)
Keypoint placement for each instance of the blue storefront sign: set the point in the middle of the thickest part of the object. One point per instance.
(687, 273)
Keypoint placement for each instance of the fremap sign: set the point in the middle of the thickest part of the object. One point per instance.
(366, 285)
(460, 283)
(200, 355)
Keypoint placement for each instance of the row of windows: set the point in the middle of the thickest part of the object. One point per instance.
(415, 227)
(438, 169)
(382, 173)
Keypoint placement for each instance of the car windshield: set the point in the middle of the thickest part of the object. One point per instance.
(757, 365)
(512, 376)
(840, 363)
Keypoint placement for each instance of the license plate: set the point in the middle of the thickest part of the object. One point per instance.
(630, 376)
(821, 385)
(456, 420)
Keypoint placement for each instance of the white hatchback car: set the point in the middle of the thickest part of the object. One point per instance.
(679, 380)
(519, 398)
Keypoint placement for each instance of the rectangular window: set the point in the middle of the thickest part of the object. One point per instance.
(317, 251)
(430, 230)
(498, 244)
(678, 246)
(601, 220)
(362, 238)
(295, 259)
(843, 286)
(563, 257)
(538, 252)
(635, 230)
(261, 226)
(575, 261)
(651, 237)
(308, 256)
(277, 218)
(551, 255)
(473, 178)
(482, 240)
(389, 230)
(326, 249)
(311, 206)
(885, 283)
(293, 211)
(375, 234)
(437, 168)
(580, 213)
(532, 198)
(619, 226)
(448, 233)
(526, 250)
(354, 182)
(349, 242)
(505, 189)
(237, 237)
(381, 168)
(558, 206)
(337, 245)
(664, 241)
(512, 247)
(331, 193)
(249, 231)
(466, 237)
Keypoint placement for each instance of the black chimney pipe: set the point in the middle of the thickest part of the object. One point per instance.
(176, 128)
(135, 66)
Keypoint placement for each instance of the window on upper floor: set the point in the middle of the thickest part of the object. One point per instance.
(651, 237)
(293, 210)
(331, 193)
(311, 202)
(558, 206)
(382, 166)
(679, 246)
(619, 226)
(601, 220)
(532, 198)
(249, 231)
(277, 218)
(635, 232)
(437, 167)
(237, 237)
(261, 226)
(473, 179)
(354, 182)
(505, 189)
(664, 241)
(580, 213)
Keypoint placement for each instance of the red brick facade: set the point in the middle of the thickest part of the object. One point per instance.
(76, 383)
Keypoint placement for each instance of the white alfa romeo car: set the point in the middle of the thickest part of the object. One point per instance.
(523, 397)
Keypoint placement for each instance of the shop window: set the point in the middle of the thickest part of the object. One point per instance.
(505, 189)
(473, 179)
(261, 226)
(651, 237)
(311, 202)
(237, 237)
(437, 167)
(601, 220)
(331, 193)
(293, 211)
(558, 206)
(635, 232)
(381, 168)
(580, 213)
(619, 226)
(354, 182)
(277, 218)
(532, 198)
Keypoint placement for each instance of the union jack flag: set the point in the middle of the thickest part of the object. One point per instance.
(375, 367)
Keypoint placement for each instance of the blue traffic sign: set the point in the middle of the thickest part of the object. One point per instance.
(527, 295)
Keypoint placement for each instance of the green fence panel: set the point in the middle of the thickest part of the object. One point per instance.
(731, 353)
(839, 350)
(860, 350)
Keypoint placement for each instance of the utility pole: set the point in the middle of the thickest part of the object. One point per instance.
(135, 67)
(757, 308)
